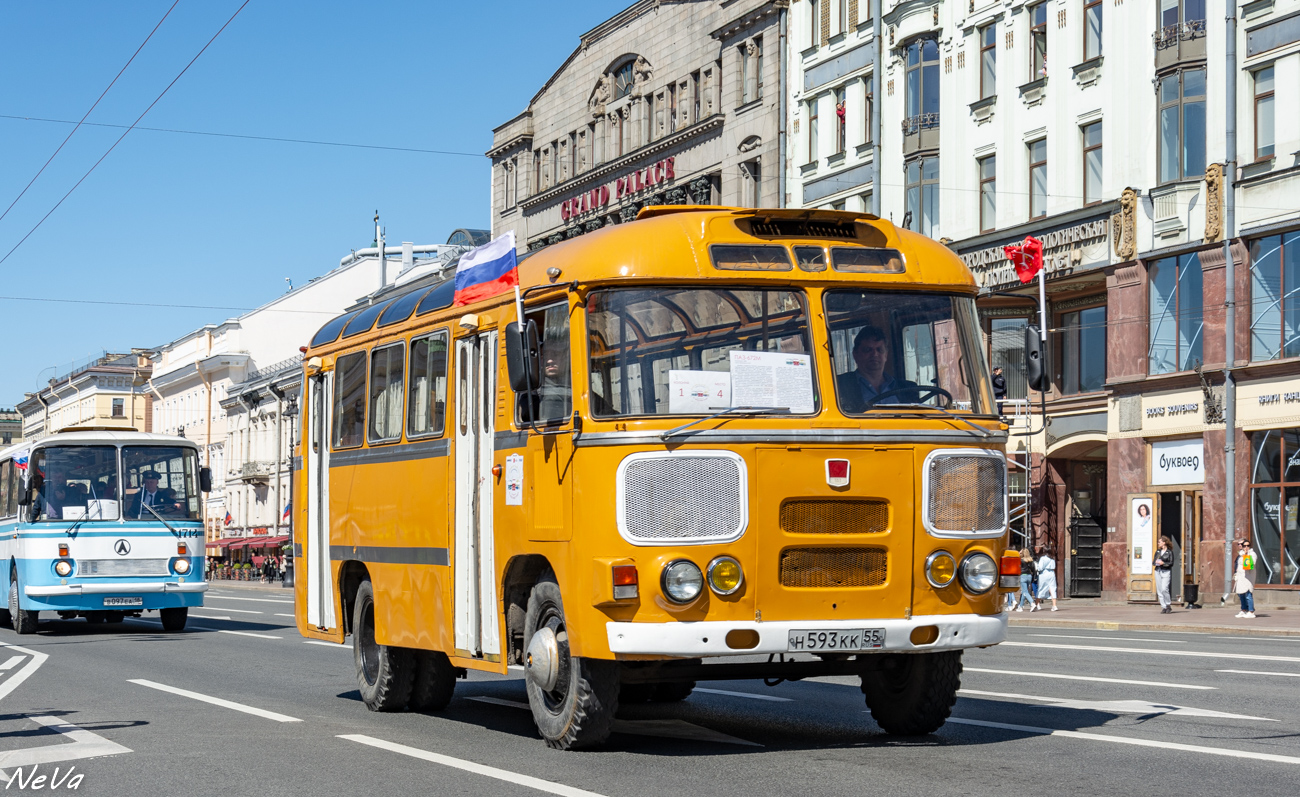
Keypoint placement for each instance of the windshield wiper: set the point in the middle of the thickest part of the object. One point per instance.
(728, 411)
(931, 408)
(154, 512)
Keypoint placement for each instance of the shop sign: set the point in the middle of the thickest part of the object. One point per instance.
(1062, 251)
(1178, 462)
(628, 184)
(1280, 398)
(1173, 409)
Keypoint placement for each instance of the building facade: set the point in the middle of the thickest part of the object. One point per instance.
(667, 102)
(1098, 128)
(106, 391)
(11, 426)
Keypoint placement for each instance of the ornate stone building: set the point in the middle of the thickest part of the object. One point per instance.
(667, 102)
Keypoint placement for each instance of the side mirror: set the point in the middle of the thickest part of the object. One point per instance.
(1035, 369)
(523, 357)
(205, 479)
(25, 496)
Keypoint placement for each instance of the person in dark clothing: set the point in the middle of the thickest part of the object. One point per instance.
(858, 389)
(1164, 562)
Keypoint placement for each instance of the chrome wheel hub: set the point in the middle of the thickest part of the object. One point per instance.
(542, 661)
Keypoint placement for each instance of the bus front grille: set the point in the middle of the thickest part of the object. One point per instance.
(834, 567)
(122, 567)
(966, 493)
(690, 497)
(834, 516)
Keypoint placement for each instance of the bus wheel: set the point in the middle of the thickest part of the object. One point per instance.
(673, 691)
(573, 699)
(24, 622)
(95, 618)
(435, 681)
(913, 694)
(174, 619)
(384, 672)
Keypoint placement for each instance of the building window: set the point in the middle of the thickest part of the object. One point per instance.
(841, 120)
(695, 91)
(988, 61)
(745, 92)
(1275, 502)
(1174, 12)
(1092, 163)
(1091, 29)
(758, 67)
(868, 108)
(1275, 297)
(814, 24)
(1038, 178)
(751, 178)
(119, 408)
(922, 196)
(866, 202)
(1264, 113)
(842, 18)
(1182, 125)
(624, 78)
(1176, 318)
(812, 131)
(922, 80)
(988, 168)
(1083, 351)
(1007, 351)
(1038, 39)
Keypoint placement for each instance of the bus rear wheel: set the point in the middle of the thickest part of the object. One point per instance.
(24, 622)
(174, 619)
(384, 673)
(434, 683)
(912, 694)
(573, 699)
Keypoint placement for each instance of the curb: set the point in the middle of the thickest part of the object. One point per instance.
(1120, 625)
(251, 586)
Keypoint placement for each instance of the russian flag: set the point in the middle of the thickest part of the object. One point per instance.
(287, 506)
(229, 519)
(20, 461)
(487, 270)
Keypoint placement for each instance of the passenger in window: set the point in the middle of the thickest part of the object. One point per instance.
(860, 388)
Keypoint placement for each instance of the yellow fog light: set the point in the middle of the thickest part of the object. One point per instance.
(940, 568)
(63, 567)
(725, 575)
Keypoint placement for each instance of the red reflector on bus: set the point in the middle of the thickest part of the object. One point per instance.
(837, 472)
(625, 575)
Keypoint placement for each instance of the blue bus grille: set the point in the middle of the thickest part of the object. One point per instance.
(122, 567)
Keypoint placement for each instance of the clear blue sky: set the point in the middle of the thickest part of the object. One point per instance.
(175, 219)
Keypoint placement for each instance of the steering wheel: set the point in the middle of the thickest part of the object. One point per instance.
(925, 392)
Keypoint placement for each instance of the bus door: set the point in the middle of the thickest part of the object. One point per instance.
(320, 584)
(474, 552)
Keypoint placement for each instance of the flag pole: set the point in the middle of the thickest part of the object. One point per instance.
(1042, 306)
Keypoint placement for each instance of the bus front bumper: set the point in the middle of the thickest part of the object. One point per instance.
(61, 590)
(701, 639)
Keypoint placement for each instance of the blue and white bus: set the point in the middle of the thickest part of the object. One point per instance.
(102, 525)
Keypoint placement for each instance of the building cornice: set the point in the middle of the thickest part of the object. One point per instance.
(749, 19)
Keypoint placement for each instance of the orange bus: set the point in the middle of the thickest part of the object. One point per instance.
(724, 443)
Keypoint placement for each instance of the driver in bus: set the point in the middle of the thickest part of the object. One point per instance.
(149, 495)
(860, 388)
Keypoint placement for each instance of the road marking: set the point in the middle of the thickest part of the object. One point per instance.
(550, 787)
(500, 701)
(10, 662)
(1098, 737)
(216, 701)
(239, 633)
(1241, 637)
(236, 611)
(209, 617)
(1195, 653)
(281, 614)
(1118, 706)
(667, 729)
(256, 600)
(749, 695)
(84, 744)
(326, 644)
(26, 672)
(1260, 672)
(1120, 638)
(1089, 678)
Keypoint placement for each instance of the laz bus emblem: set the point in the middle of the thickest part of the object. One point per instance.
(122, 547)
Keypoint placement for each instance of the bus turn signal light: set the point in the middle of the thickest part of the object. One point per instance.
(625, 582)
(1009, 570)
(63, 549)
(182, 548)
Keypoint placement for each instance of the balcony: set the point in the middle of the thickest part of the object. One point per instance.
(920, 132)
(1175, 44)
(260, 471)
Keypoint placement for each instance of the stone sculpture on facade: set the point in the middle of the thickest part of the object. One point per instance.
(1214, 203)
(1123, 226)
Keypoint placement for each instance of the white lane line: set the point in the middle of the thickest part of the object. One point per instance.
(281, 614)
(10, 662)
(1109, 638)
(1194, 653)
(666, 729)
(240, 633)
(548, 786)
(749, 695)
(236, 611)
(326, 644)
(1099, 737)
(26, 672)
(1089, 678)
(1142, 707)
(256, 600)
(84, 744)
(209, 617)
(216, 701)
(1242, 637)
(1261, 672)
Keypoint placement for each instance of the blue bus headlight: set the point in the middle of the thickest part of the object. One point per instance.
(63, 567)
(181, 565)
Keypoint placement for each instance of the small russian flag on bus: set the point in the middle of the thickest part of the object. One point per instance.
(20, 461)
(487, 270)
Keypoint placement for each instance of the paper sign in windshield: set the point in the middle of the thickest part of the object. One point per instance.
(772, 379)
(698, 392)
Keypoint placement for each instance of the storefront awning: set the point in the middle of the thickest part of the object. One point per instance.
(259, 542)
(224, 542)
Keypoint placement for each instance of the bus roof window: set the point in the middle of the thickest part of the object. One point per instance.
(859, 259)
(810, 258)
(330, 332)
(438, 298)
(750, 257)
(364, 320)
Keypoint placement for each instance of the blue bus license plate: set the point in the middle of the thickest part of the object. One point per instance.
(123, 601)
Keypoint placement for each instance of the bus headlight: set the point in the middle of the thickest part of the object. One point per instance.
(682, 581)
(940, 568)
(978, 573)
(181, 565)
(63, 567)
(725, 575)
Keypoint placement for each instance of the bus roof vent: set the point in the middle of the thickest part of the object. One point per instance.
(803, 228)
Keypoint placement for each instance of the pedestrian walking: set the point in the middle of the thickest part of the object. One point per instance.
(999, 387)
(1028, 574)
(1243, 579)
(1046, 567)
(1164, 563)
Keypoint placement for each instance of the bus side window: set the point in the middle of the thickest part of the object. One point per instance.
(6, 488)
(350, 400)
(386, 389)
(427, 400)
(553, 401)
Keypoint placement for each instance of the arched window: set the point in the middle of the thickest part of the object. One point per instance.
(623, 80)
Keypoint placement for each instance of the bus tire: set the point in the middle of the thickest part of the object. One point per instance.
(573, 699)
(174, 619)
(913, 694)
(95, 618)
(672, 691)
(24, 622)
(435, 681)
(384, 672)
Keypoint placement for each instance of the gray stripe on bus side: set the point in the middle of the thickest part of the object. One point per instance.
(385, 555)
(426, 449)
(784, 436)
(506, 440)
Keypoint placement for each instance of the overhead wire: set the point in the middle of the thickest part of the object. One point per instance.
(168, 305)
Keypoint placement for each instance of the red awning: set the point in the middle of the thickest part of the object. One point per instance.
(224, 542)
(259, 542)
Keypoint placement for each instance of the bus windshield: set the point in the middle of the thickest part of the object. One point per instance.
(694, 351)
(162, 477)
(895, 347)
(74, 483)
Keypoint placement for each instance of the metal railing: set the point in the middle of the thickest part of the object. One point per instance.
(256, 470)
(915, 124)
(274, 369)
(1170, 35)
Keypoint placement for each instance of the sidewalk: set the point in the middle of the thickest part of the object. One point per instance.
(257, 586)
(1114, 617)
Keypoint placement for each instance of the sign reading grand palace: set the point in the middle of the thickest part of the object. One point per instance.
(1077, 247)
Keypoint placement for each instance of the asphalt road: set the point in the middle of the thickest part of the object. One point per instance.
(130, 709)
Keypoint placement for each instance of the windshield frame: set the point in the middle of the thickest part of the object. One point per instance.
(37, 458)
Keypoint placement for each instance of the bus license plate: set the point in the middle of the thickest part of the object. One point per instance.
(123, 601)
(851, 640)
